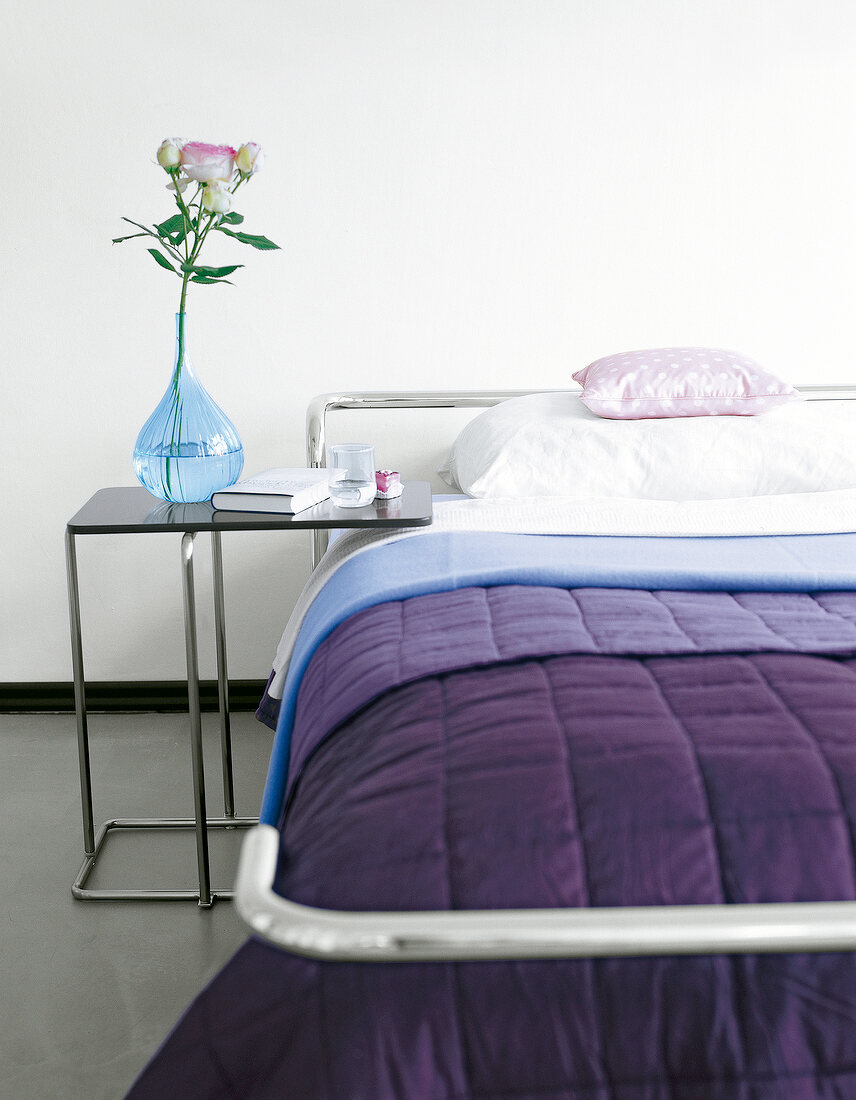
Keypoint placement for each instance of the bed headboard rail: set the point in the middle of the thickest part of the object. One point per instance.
(316, 416)
(320, 406)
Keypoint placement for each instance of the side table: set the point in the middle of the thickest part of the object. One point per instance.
(133, 510)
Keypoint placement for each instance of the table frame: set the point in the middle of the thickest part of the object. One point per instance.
(136, 511)
(93, 842)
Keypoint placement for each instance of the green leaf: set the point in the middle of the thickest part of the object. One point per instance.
(210, 272)
(171, 225)
(144, 228)
(207, 281)
(162, 260)
(172, 229)
(231, 218)
(248, 238)
(118, 240)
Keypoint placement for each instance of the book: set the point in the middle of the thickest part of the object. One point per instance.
(286, 489)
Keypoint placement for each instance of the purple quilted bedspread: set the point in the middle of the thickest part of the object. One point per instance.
(520, 747)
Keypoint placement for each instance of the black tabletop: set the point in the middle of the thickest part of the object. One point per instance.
(133, 509)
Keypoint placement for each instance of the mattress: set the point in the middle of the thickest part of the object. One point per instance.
(491, 720)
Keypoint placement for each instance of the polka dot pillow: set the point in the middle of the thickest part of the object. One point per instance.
(638, 385)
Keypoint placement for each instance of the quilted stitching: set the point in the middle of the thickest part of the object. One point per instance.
(400, 641)
(573, 810)
(730, 988)
(805, 720)
(513, 773)
(625, 1009)
(461, 1035)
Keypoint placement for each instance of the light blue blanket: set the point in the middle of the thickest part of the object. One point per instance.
(444, 560)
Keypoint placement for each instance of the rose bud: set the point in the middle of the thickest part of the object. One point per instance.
(203, 162)
(216, 197)
(169, 153)
(250, 158)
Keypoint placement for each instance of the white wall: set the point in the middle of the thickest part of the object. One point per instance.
(468, 193)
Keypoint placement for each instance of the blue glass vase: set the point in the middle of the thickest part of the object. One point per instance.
(188, 448)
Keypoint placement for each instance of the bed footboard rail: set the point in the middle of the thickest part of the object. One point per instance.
(528, 933)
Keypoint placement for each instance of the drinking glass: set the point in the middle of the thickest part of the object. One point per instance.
(352, 474)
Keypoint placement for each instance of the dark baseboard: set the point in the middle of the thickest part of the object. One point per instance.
(107, 696)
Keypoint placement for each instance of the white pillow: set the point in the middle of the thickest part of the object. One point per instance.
(552, 445)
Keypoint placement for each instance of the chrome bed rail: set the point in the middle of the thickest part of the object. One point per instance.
(518, 933)
(316, 421)
(528, 933)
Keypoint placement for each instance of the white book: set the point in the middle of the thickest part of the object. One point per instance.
(285, 489)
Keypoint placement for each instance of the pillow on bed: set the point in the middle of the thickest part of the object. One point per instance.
(633, 385)
(552, 445)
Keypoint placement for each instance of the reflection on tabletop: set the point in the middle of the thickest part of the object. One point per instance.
(172, 512)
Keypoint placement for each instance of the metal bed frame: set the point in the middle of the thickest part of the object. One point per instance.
(319, 407)
(517, 933)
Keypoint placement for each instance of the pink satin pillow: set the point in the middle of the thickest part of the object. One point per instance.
(638, 385)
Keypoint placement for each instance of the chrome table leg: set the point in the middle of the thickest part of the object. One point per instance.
(79, 694)
(222, 676)
(187, 542)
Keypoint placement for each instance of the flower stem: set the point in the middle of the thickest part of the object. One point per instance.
(175, 442)
(185, 213)
(191, 252)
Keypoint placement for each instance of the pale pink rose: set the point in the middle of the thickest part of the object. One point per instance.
(169, 153)
(217, 197)
(250, 158)
(203, 162)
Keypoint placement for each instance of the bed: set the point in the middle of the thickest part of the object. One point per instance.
(562, 798)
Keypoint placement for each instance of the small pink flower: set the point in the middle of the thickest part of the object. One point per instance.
(203, 162)
(250, 158)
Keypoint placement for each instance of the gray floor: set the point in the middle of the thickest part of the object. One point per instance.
(91, 988)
